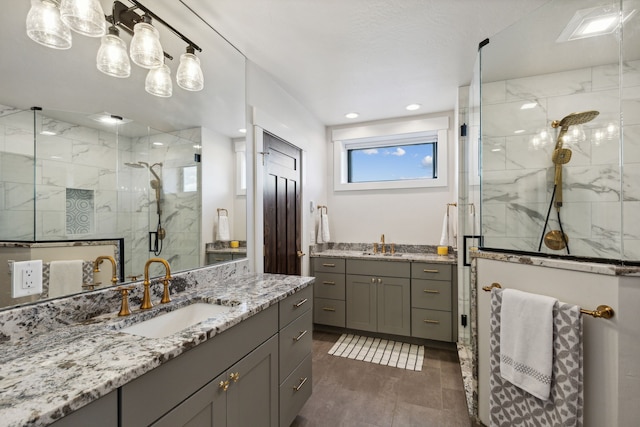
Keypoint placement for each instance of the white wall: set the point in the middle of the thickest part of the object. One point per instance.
(406, 216)
(273, 109)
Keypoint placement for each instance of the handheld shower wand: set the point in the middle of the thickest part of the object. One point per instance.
(557, 239)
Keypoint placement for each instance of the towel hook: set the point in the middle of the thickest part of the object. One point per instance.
(226, 212)
(326, 209)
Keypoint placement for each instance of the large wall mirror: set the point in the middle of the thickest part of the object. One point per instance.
(104, 166)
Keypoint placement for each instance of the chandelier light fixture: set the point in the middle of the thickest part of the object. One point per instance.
(49, 23)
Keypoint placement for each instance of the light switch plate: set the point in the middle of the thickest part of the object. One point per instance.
(26, 278)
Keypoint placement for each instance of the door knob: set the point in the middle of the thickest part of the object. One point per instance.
(301, 254)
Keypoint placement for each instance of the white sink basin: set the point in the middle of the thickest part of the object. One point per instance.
(177, 320)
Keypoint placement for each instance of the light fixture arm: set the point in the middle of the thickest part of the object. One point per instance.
(125, 17)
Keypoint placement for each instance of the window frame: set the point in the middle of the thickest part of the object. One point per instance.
(389, 134)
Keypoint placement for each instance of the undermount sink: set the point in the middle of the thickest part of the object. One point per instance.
(175, 321)
(379, 254)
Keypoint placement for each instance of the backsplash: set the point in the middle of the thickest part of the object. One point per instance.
(23, 322)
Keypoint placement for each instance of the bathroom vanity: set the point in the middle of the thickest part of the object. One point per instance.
(256, 354)
(405, 294)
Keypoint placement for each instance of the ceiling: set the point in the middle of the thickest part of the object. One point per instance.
(373, 57)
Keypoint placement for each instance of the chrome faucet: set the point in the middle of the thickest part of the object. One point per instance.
(383, 247)
(146, 298)
(98, 261)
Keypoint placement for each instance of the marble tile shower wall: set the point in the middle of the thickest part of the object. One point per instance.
(83, 158)
(517, 175)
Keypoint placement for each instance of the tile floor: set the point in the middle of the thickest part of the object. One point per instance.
(353, 393)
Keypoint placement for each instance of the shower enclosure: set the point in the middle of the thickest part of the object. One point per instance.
(560, 132)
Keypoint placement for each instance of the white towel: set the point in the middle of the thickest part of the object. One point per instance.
(65, 277)
(324, 235)
(444, 237)
(526, 341)
(223, 228)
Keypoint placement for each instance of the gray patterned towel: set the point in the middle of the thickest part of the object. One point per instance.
(510, 405)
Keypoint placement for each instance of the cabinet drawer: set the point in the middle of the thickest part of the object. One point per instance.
(430, 271)
(295, 343)
(328, 265)
(431, 324)
(294, 305)
(379, 268)
(433, 294)
(329, 285)
(329, 312)
(295, 391)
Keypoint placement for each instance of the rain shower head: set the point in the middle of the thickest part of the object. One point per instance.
(575, 119)
(571, 120)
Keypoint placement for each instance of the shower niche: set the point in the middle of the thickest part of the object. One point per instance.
(558, 145)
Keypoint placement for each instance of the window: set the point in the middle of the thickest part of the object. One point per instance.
(409, 153)
(397, 162)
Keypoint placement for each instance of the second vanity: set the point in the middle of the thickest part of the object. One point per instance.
(405, 293)
(256, 354)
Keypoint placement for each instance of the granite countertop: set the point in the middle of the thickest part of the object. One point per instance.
(397, 257)
(227, 251)
(52, 374)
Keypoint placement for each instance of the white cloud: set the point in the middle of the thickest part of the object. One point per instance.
(399, 152)
(427, 161)
(370, 151)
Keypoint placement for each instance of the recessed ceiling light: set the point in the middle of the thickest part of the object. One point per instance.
(595, 21)
(197, 146)
(519, 131)
(158, 143)
(413, 107)
(351, 115)
(529, 105)
(243, 130)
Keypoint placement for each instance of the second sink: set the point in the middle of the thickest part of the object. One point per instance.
(176, 321)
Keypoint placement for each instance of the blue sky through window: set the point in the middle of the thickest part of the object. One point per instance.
(393, 163)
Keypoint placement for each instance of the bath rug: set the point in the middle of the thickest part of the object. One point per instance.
(379, 351)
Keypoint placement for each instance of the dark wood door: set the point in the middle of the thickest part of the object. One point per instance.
(282, 233)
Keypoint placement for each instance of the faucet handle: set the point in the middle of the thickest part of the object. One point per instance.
(124, 307)
(165, 294)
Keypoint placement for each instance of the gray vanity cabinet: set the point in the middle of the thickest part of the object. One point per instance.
(329, 291)
(378, 296)
(250, 383)
(433, 301)
(163, 390)
(99, 413)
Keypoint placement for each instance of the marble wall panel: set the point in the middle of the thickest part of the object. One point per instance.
(549, 85)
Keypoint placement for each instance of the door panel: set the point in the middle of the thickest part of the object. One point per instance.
(282, 220)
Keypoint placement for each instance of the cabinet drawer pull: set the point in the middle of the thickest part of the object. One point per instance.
(431, 291)
(328, 265)
(302, 381)
(328, 309)
(431, 321)
(224, 385)
(300, 303)
(426, 270)
(235, 376)
(328, 283)
(299, 337)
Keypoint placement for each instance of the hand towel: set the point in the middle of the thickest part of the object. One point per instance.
(324, 220)
(65, 277)
(510, 405)
(526, 341)
(223, 228)
(444, 237)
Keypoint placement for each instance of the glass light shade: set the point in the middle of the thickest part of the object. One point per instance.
(158, 82)
(45, 27)
(189, 75)
(83, 16)
(113, 58)
(145, 49)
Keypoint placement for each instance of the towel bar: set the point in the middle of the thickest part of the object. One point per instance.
(226, 212)
(321, 207)
(603, 311)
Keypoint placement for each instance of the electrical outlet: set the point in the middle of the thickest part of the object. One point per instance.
(26, 278)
